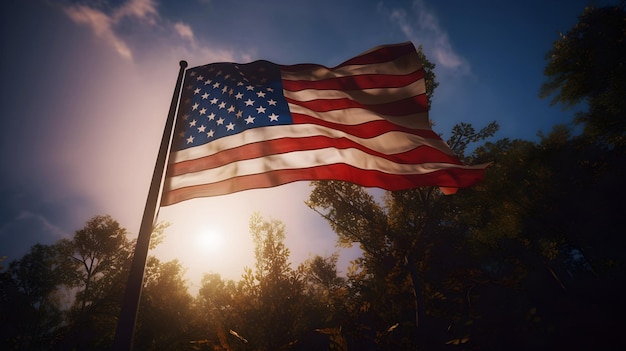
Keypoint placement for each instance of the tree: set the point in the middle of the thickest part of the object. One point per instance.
(587, 64)
(97, 260)
(326, 291)
(165, 313)
(32, 299)
(398, 238)
(269, 303)
(217, 305)
(67, 295)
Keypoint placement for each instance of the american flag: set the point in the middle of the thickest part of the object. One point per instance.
(260, 124)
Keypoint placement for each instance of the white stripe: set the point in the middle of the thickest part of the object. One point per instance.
(355, 116)
(306, 159)
(405, 64)
(365, 96)
(388, 143)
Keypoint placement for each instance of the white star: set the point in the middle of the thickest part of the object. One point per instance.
(260, 94)
(273, 117)
(185, 117)
(202, 111)
(201, 129)
(224, 89)
(270, 89)
(200, 78)
(239, 84)
(208, 81)
(238, 96)
(249, 102)
(196, 91)
(205, 96)
(271, 102)
(214, 101)
(210, 133)
(220, 121)
(249, 87)
(231, 109)
(249, 120)
(239, 114)
(222, 105)
(190, 140)
(216, 85)
(211, 116)
(260, 109)
(193, 73)
(195, 106)
(192, 123)
(230, 126)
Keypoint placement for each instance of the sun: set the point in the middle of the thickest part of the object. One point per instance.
(210, 240)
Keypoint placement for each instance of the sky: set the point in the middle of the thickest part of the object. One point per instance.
(86, 87)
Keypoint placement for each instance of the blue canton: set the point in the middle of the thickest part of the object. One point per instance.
(223, 99)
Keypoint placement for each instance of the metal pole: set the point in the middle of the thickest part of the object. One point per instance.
(130, 305)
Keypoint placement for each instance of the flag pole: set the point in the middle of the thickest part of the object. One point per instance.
(130, 304)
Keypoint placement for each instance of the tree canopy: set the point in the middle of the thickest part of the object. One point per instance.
(533, 258)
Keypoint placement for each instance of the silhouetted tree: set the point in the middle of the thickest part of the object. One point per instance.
(586, 64)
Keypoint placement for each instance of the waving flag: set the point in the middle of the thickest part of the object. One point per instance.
(260, 124)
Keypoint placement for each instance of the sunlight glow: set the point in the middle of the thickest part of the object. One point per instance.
(210, 239)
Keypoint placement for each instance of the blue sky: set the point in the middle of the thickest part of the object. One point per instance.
(86, 87)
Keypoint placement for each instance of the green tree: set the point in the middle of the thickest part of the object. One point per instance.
(398, 239)
(270, 302)
(165, 314)
(217, 311)
(586, 64)
(96, 261)
(32, 299)
(326, 291)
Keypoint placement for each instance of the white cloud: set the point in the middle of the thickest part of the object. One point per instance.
(184, 30)
(51, 228)
(102, 26)
(422, 26)
(139, 9)
(145, 13)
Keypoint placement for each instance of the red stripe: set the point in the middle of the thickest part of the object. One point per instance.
(415, 104)
(372, 129)
(365, 81)
(454, 178)
(380, 55)
(421, 154)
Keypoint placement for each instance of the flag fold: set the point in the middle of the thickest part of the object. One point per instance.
(260, 124)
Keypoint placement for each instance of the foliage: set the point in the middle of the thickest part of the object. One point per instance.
(166, 314)
(67, 295)
(532, 258)
(587, 64)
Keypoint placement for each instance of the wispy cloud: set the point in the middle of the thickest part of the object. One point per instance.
(144, 10)
(102, 26)
(49, 227)
(107, 25)
(184, 30)
(421, 25)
